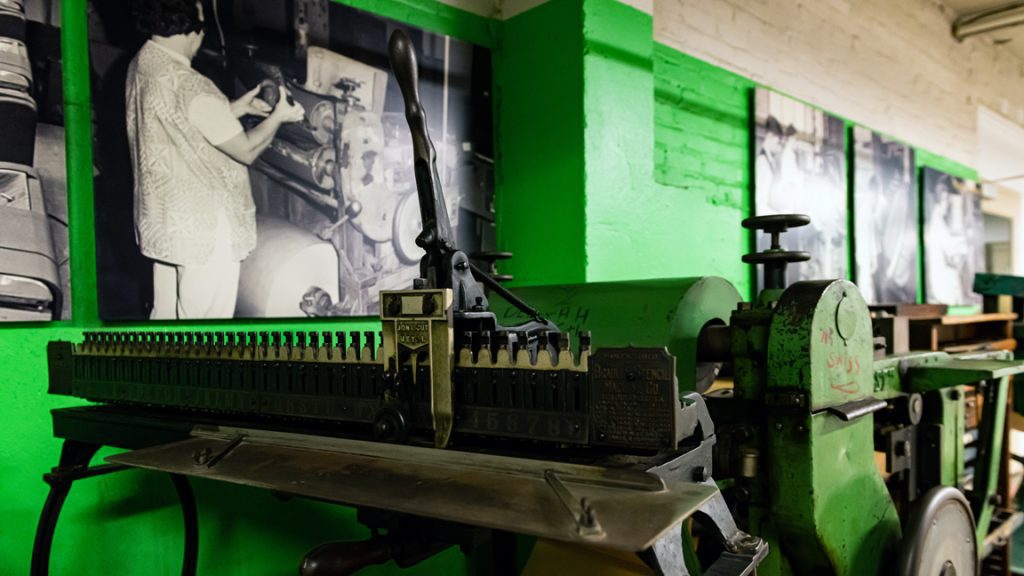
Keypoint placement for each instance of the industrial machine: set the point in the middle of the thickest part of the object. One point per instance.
(810, 408)
(489, 428)
(846, 460)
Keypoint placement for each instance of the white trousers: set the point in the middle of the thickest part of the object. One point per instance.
(188, 292)
(194, 291)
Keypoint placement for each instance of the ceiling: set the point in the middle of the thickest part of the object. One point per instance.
(1012, 37)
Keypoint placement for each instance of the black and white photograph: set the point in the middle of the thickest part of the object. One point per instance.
(35, 283)
(253, 157)
(954, 249)
(800, 168)
(885, 218)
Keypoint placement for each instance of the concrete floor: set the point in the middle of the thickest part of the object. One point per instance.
(50, 164)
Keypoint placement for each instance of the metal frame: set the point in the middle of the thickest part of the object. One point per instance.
(74, 465)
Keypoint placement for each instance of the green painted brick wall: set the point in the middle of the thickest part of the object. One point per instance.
(704, 140)
(640, 225)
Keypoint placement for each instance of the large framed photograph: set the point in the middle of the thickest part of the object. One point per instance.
(34, 268)
(253, 157)
(885, 218)
(800, 167)
(954, 244)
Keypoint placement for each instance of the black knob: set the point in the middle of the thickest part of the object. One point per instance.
(491, 259)
(775, 259)
(390, 426)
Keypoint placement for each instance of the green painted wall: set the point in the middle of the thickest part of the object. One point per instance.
(539, 167)
(668, 178)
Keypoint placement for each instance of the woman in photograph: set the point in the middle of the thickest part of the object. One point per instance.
(945, 244)
(194, 212)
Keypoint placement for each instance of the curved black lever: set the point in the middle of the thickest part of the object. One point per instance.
(436, 237)
(442, 265)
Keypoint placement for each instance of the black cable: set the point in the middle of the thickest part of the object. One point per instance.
(57, 220)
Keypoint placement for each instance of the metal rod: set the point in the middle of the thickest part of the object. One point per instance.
(508, 296)
(990, 20)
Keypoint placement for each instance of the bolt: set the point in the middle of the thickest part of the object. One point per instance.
(428, 304)
(954, 394)
(700, 474)
(395, 306)
(589, 517)
(201, 457)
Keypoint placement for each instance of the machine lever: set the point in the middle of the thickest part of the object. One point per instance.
(436, 237)
(507, 295)
(857, 408)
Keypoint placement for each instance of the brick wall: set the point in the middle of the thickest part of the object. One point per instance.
(890, 65)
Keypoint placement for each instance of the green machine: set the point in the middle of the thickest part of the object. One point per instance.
(846, 461)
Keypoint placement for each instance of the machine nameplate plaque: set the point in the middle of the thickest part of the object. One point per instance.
(634, 398)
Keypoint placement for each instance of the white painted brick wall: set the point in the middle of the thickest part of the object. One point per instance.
(891, 65)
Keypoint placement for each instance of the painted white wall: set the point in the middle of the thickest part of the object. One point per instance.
(486, 8)
(1001, 159)
(890, 65)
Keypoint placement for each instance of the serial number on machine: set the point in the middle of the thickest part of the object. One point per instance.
(522, 424)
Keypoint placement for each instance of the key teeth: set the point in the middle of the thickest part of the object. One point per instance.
(369, 347)
(503, 357)
(340, 344)
(354, 345)
(544, 358)
(565, 341)
(523, 358)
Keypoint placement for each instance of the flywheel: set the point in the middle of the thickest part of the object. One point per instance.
(939, 538)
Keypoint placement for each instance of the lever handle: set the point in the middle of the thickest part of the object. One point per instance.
(344, 558)
(436, 237)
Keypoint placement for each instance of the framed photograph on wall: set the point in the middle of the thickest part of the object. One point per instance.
(885, 218)
(954, 244)
(800, 168)
(284, 186)
(34, 269)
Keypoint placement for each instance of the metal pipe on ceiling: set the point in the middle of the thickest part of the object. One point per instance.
(989, 20)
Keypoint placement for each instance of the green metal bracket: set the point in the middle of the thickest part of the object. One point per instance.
(958, 371)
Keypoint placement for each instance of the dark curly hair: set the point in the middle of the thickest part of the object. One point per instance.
(167, 17)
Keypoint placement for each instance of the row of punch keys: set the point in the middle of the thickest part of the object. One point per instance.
(262, 345)
(506, 349)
